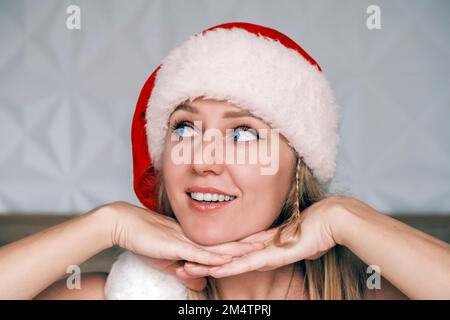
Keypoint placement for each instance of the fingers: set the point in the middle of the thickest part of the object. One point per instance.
(245, 246)
(237, 248)
(261, 236)
(201, 259)
(194, 283)
(196, 270)
(160, 264)
(250, 262)
(193, 253)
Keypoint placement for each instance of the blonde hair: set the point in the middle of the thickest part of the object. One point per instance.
(336, 275)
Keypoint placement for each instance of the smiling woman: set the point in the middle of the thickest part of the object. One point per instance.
(268, 80)
(216, 229)
(194, 194)
(240, 79)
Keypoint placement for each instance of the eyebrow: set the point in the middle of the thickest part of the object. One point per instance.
(228, 114)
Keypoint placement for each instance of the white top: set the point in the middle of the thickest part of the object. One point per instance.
(132, 279)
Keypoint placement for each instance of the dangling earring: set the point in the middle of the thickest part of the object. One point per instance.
(296, 215)
(292, 227)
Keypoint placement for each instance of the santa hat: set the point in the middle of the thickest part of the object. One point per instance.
(256, 68)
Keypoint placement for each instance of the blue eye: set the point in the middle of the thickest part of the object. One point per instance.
(182, 129)
(245, 133)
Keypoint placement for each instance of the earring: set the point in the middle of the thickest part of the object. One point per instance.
(296, 203)
(292, 227)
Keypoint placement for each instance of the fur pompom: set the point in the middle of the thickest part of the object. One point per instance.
(131, 278)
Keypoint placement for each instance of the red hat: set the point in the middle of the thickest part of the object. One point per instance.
(252, 66)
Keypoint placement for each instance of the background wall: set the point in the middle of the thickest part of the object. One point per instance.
(67, 96)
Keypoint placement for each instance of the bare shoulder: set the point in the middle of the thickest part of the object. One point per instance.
(92, 288)
(387, 292)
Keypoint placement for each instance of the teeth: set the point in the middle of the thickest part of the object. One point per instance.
(210, 197)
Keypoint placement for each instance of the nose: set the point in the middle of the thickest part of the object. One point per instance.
(207, 158)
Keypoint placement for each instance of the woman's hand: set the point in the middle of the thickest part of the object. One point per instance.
(315, 240)
(400, 251)
(160, 241)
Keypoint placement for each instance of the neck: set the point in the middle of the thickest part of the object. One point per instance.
(283, 283)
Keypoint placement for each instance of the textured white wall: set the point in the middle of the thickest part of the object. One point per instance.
(67, 97)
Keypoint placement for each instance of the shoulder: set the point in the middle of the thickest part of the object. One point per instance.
(91, 288)
(132, 278)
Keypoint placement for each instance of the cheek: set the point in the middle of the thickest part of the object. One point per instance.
(173, 174)
(264, 195)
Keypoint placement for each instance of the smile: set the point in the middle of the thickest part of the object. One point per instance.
(210, 197)
(207, 198)
(210, 202)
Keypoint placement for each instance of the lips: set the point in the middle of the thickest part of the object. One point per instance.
(206, 189)
(206, 207)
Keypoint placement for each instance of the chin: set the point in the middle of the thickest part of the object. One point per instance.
(209, 237)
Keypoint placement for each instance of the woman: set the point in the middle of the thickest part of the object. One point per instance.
(261, 228)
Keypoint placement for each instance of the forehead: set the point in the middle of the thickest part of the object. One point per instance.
(210, 106)
(202, 102)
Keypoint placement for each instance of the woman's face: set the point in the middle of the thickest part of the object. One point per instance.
(258, 198)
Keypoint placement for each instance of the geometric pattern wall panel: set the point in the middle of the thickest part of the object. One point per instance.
(67, 96)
